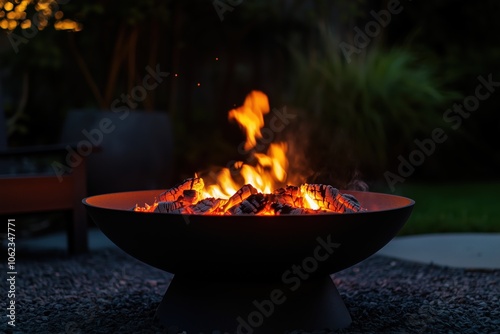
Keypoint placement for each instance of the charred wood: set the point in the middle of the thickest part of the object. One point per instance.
(177, 191)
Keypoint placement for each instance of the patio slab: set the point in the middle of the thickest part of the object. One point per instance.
(57, 242)
(457, 250)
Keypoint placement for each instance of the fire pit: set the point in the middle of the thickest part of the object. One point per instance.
(249, 252)
(232, 271)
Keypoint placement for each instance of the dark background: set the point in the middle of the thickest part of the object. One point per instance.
(354, 118)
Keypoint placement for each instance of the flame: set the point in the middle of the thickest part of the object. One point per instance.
(225, 187)
(271, 167)
(257, 187)
(250, 116)
(310, 203)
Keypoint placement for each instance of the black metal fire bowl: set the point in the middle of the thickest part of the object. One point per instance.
(250, 274)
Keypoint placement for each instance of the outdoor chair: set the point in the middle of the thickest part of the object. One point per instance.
(44, 191)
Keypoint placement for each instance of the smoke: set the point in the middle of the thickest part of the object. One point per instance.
(317, 156)
(356, 183)
(297, 137)
(314, 155)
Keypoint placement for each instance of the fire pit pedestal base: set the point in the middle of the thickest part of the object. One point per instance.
(214, 306)
(219, 262)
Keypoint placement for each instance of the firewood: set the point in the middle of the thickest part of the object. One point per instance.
(330, 198)
(175, 192)
(242, 194)
(286, 209)
(252, 205)
(186, 198)
(189, 197)
(168, 207)
(290, 195)
(208, 205)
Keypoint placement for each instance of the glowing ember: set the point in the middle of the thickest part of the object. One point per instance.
(262, 191)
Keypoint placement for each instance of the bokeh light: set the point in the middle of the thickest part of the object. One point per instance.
(14, 14)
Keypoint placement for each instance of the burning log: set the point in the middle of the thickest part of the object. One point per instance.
(239, 196)
(252, 205)
(286, 209)
(190, 197)
(168, 207)
(290, 195)
(330, 198)
(208, 205)
(186, 198)
(177, 191)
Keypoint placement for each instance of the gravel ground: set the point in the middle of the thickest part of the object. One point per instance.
(110, 292)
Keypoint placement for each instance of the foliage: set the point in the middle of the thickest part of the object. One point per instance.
(368, 109)
(460, 38)
(452, 207)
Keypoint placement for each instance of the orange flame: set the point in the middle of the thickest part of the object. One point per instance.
(250, 116)
(310, 203)
(252, 189)
(271, 167)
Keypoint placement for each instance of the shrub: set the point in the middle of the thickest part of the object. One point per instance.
(368, 110)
